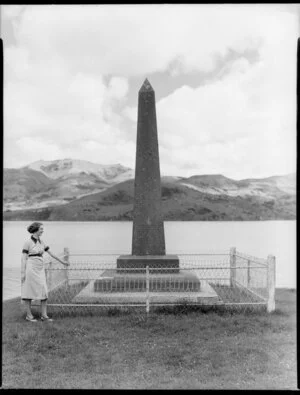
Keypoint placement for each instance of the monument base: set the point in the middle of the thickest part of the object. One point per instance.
(155, 262)
(112, 280)
(204, 296)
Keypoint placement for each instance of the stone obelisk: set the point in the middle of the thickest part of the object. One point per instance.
(148, 237)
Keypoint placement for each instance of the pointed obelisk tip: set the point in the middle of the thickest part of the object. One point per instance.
(146, 87)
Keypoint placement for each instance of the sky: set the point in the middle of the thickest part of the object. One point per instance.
(224, 78)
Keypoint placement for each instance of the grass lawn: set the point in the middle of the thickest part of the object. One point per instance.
(169, 349)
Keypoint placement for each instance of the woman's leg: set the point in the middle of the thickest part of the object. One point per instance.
(44, 308)
(44, 316)
(28, 308)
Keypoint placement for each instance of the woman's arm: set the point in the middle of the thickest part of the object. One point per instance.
(23, 266)
(58, 259)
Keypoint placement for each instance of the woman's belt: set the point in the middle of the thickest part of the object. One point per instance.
(40, 254)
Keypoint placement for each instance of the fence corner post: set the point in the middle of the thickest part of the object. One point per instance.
(67, 259)
(232, 266)
(147, 290)
(271, 283)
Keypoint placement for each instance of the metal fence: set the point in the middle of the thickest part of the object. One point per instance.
(228, 279)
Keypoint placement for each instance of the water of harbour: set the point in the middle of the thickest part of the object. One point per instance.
(257, 238)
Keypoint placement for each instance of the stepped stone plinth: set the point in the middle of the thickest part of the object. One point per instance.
(156, 263)
(114, 281)
(109, 289)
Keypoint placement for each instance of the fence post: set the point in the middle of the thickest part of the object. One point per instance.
(67, 259)
(147, 290)
(49, 277)
(271, 283)
(232, 266)
(248, 273)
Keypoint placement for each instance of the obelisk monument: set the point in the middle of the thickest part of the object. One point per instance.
(148, 237)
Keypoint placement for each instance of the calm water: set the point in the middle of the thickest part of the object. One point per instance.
(259, 238)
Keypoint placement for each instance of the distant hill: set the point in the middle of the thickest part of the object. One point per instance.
(72, 167)
(264, 187)
(21, 184)
(49, 183)
(203, 197)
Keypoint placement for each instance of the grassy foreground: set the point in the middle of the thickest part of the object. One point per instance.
(177, 349)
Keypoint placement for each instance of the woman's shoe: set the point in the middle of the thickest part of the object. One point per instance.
(31, 319)
(46, 318)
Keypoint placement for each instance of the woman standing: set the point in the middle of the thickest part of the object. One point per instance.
(33, 275)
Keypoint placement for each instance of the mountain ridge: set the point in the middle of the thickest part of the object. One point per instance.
(76, 192)
(68, 179)
(62, 167)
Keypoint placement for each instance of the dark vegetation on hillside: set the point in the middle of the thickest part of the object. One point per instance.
(178, 203)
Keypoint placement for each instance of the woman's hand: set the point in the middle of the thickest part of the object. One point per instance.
(23, 276)
(58, 259)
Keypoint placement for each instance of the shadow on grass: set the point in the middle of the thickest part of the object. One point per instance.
(213, 309)
(177, 310)
(280, 313)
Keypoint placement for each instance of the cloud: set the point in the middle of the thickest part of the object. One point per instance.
(68, 76)
(244, 123)
(118, 87)
(113, 152)
(12, 11)
(45, 149)
(130, 113)
(136, 40)
(50, 102)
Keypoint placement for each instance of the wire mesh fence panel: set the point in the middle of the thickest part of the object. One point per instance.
(55, 275)
(252, 275)
(95, 280)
